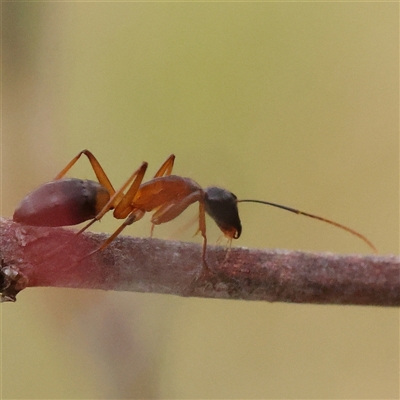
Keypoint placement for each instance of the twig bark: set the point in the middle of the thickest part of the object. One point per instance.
(36, 256)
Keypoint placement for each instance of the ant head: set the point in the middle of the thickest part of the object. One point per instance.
(221, 205)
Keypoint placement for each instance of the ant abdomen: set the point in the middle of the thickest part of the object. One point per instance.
(62, 202)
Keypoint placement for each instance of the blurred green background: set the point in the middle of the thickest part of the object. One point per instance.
(295, 103)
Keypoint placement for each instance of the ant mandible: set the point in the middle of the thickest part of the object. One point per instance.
(70, 201)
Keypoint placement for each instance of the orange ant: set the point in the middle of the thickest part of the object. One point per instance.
(70, 201)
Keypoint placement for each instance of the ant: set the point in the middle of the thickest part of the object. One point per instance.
(70, 201)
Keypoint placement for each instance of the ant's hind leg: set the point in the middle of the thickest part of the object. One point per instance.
(97, 168)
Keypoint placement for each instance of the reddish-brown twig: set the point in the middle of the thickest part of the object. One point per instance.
(151, 265)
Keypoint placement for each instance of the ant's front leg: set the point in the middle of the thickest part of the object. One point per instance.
(166, 167)
(170, 211)
(164, 170)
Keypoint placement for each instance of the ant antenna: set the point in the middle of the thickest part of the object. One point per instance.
(293, 210)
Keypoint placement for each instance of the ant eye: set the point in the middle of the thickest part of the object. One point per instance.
(221, 205)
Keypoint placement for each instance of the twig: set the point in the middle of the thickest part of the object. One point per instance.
(36, 256)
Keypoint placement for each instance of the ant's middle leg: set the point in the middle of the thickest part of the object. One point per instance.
(120, 209)
(133, 217)
(122, 206)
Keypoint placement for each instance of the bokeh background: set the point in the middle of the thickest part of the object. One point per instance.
(295, 103)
